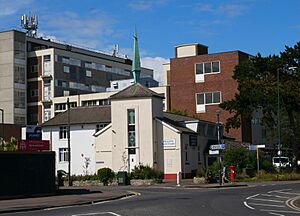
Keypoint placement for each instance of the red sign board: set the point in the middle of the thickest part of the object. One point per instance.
(34, 145)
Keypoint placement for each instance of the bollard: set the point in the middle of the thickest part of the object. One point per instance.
(178, 178)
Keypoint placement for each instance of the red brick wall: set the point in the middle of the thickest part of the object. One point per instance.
(183, 87)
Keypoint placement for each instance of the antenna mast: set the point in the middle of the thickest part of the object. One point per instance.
(30, 23)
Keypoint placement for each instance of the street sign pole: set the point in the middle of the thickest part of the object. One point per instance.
(257, 159)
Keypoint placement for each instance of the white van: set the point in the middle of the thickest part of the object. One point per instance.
(283, 162)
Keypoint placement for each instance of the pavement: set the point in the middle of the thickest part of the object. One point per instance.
(71, 196)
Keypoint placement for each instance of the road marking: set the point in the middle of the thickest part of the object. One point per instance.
(280, 211)
(245, 203)
(250, 197)
(279, 201)
(97, 213)
(277, 196)
(275, 191)
(272, 213)
(262, 204)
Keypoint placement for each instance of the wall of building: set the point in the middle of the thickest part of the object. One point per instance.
(82, 145)
(183, 86)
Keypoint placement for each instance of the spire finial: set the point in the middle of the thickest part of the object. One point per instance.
(136, 64)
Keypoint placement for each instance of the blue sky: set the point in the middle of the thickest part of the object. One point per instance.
(252, 26)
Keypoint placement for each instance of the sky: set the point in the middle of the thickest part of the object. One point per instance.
(252, 26)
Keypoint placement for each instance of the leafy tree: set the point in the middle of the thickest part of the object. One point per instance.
(105, 175)
(257, 85)
(9, 146)
(237, 157)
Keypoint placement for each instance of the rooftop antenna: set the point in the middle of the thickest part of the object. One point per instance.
(115, 50)
(30, 23)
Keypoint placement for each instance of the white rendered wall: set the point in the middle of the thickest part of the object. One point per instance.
(82, 145)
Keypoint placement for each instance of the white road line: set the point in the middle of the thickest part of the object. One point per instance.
(245, 203)
(250, 197)
(272, 213)
(279, 201)
(97, 213)
(262, 204)
(280, 211)
(288, 193)
(275, 191)
(277, 196)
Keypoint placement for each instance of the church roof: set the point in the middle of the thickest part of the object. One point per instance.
(135, 90)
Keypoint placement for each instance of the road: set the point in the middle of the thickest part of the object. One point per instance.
(256, 199)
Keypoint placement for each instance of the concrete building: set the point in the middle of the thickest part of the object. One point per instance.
(33, 71)
(200, 81)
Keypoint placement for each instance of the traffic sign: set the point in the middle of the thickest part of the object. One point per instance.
(214, 152)
(217, 147)
(254, 147)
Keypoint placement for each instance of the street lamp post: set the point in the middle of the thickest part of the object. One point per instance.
(278, 121)
(69, 144)
(219, 142)
(2, 142)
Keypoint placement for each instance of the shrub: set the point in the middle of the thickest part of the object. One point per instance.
(200, 173)
(237, 157)
(105, 175)
(146, 172)
(268, 166)
(215, 168)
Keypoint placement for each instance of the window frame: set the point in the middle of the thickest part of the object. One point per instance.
(204, 98)
(63, 132)
(211, 67)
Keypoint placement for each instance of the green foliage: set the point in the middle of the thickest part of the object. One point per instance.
(215, 168)
(146, 172)
(9, 146)
(267, 166)
(85, 177)
(237, 157)
(257, 85)
(105, 175)
(178, 111)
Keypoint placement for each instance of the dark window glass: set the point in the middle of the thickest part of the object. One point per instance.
(216, 97)
(207, 67)
(199, 68)
(216, 67)
(200, 99)
(208, 98)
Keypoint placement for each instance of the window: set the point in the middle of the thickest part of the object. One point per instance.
(63, 154)
(47, 58)
(66, 69)
(208, 67)
(33, 118)
(88, 73)
(47, 114)
(208, 98)
(34, 93)
(19, 99)
(34, 68)
(131, 127)
(100, 126)
(65, 60)
(19, 74)
(63, 132)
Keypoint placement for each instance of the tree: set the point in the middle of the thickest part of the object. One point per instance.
(257, 85)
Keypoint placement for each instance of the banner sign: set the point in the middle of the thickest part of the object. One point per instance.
(169, 143)
(33, 132)
(217, 147)
(33, 145)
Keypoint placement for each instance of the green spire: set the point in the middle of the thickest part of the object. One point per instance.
(136, 64)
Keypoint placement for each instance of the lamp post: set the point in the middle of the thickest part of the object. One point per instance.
(2, 141)
(69, 144)
(219, 142)
(278, 121)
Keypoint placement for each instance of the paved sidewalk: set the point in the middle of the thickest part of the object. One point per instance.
(67, 197)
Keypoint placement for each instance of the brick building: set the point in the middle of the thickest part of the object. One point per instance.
(200, 81)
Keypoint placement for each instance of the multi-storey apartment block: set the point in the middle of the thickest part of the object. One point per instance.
(33, 71)
(200, 81)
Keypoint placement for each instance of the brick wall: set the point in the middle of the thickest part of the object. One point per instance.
(183, 87)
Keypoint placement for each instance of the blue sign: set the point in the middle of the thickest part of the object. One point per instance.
(217, 147)
(33, 132)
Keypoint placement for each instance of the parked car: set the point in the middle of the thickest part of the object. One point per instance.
(282, 162)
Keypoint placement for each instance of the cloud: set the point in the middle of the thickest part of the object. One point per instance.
(155, 63)
(91, 31)
(230, 10)
(146, 5)
(10, 7)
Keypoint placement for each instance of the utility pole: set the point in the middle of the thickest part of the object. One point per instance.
(69, 146)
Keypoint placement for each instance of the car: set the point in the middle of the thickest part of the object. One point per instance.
(282, 162)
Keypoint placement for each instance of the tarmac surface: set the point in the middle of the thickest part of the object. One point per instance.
(71, 196)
